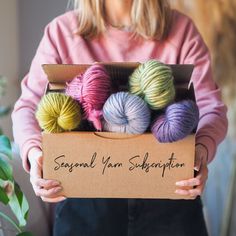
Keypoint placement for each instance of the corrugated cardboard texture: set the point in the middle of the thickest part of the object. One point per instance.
(108, 165)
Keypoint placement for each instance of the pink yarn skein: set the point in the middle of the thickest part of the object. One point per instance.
(91, 89)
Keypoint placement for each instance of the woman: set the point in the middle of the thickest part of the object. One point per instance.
(123, 30)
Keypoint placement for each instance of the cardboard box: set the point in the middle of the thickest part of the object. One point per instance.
(111, 165)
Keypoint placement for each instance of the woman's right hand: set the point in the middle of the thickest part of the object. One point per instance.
(48, 190)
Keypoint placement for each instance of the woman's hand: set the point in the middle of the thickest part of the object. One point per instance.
(48, 190)
(199, 181)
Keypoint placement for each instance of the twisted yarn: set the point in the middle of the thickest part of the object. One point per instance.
(153, 81)
(179, 120)
(126, 113)
(91, 89)
(57, 112)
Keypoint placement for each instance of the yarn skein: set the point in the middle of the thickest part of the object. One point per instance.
(91, 89)
(179, 120)
(126, 113)
(57, 112)
(153, 81)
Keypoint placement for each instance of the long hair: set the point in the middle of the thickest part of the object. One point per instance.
(149, 18)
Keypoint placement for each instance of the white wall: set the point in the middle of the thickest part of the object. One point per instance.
(21, 28)
(34, 15)
(9, 55)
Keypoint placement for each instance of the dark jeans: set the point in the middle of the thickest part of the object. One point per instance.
(134, 217)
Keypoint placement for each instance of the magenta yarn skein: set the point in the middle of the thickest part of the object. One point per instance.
(91, 89)
(180, 120)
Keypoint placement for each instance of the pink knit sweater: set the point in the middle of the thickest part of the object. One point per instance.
(60, 45)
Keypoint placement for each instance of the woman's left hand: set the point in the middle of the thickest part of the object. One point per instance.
(199, 181)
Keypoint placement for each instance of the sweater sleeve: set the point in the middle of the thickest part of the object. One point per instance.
(212, 127)
(26, 131)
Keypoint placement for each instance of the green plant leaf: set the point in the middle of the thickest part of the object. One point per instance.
(11, 221)
(22, 199)
(3, 196)
(5, 146)
(5, 169)
(19, 205)
(4, 111)
(3, 82)
(25, 234)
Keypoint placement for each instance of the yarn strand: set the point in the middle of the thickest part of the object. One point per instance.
(91, 89)
(153, 81)
(57, 112)
(126, 113)
(180, 120)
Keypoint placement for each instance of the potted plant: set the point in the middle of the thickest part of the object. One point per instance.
(10, 192)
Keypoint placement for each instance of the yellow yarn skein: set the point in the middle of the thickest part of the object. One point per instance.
(153, 81)
(57, 113)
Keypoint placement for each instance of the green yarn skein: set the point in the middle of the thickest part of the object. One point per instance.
(153, 81)
(57, 113)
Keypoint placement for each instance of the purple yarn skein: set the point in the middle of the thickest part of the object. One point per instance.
(179, 120)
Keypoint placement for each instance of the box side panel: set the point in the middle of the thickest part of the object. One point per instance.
(89, 165)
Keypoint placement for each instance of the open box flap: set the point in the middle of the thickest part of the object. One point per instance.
(59, 74)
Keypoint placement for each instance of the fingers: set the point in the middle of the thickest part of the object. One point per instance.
(182, 192)
(196, 191)
(50, 193)
(198, 182)
(53, 200)
(201, 177)
(45, 188)
(48, 190)
(189, 183)
(44, 183)
(192, 193)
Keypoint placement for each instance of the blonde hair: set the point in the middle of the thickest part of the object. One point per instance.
(150, 18)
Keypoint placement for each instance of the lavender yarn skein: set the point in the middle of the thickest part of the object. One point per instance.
(179, 120)
(126, 113)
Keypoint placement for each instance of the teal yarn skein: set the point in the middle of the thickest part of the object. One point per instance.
(153, 81)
